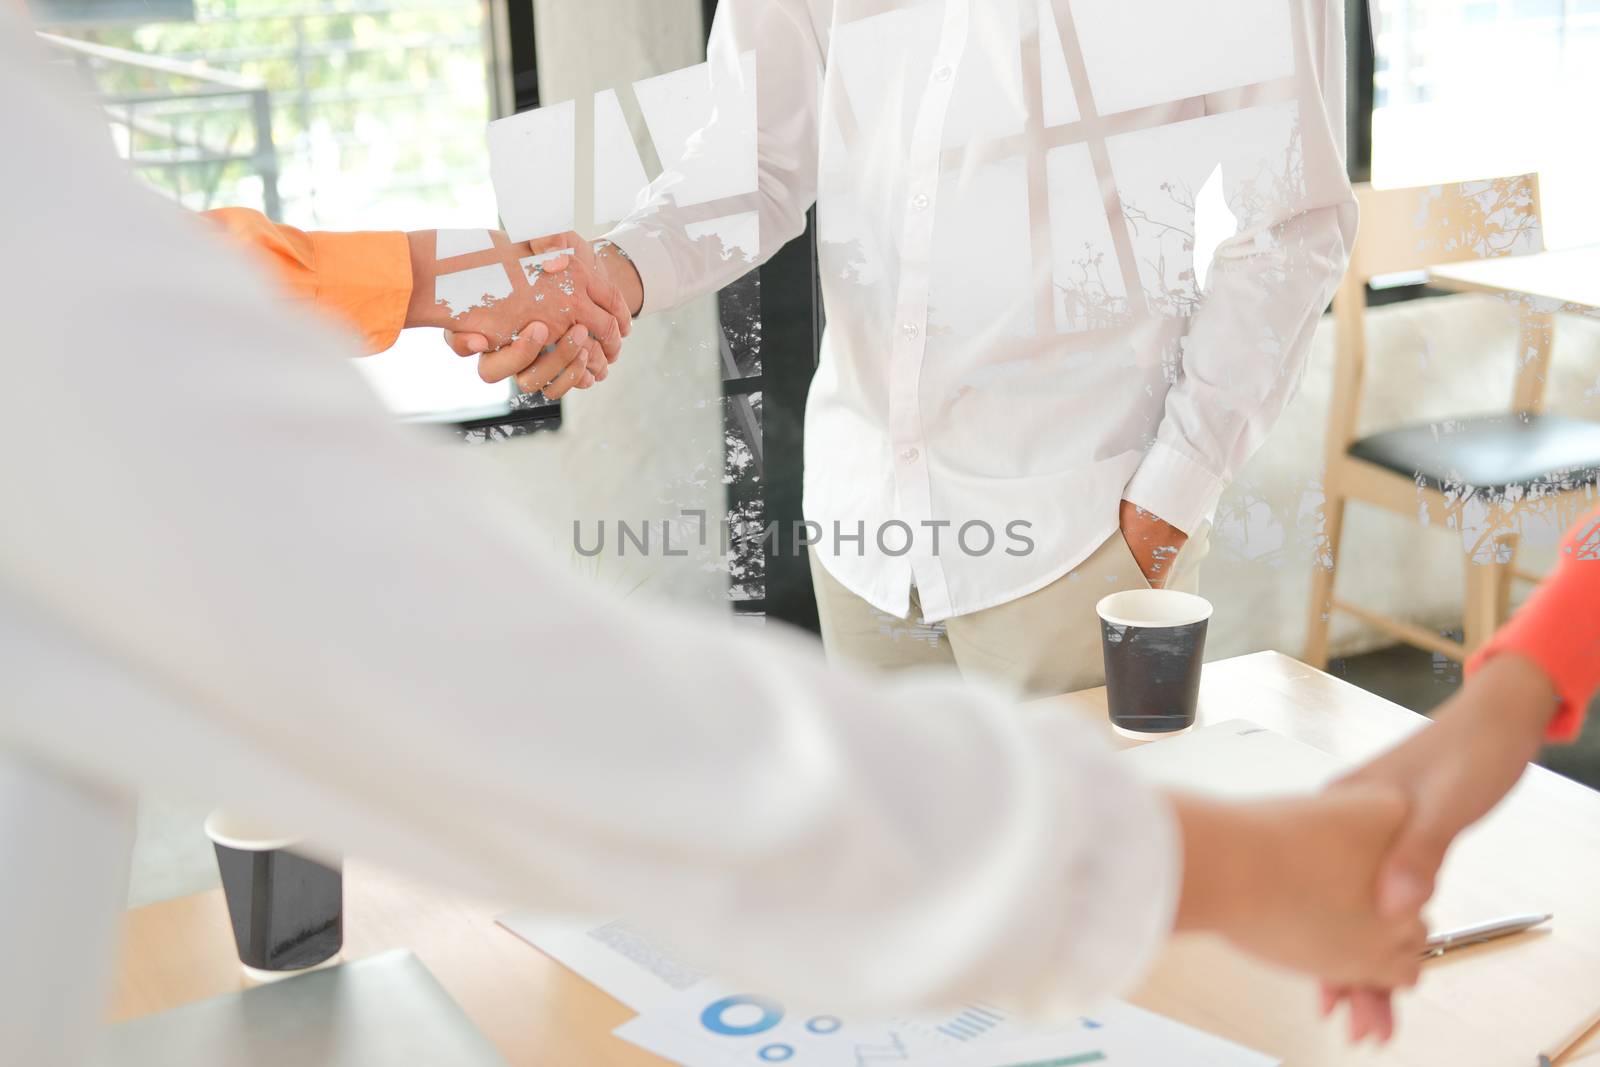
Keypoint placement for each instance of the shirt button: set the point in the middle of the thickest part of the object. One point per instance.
(920, 201)
(910, 330)
(910, 455)
(942, 74)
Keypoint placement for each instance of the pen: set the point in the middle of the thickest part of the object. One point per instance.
(1551, 1055)
(1439, 944)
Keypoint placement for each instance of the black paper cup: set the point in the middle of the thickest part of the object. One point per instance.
(1153, 641)
(287, 911)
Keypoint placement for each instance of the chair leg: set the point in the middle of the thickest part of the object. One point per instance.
(1323, 571)
(1488, 593)
(1508, 572)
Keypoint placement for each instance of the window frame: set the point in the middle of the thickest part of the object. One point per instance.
(792, 318)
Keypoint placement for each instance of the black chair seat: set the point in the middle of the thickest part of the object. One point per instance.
(1491, 452)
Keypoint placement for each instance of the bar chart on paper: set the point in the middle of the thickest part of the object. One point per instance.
(973, 1021)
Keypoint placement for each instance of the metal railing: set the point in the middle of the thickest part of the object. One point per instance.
(144, 115)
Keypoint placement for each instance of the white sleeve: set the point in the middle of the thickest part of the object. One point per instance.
(765, 53)
(1248, 342)
(335, 628)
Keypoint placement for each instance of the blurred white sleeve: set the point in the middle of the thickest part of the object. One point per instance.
(1248, 342)
(225, 572)
(765, 59)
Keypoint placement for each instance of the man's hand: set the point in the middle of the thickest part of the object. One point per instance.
(601, 260)
(1153, 541)
(526, 306)
(1292, 882)
(1455, 771)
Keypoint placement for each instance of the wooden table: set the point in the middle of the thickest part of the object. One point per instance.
(1490, 1005)
(1567, 279)
(1542, 285)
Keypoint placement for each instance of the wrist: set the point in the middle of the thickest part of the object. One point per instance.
(423, 309)
(1131, 517)
(1509, 695)
(1221, 850)
(620, 270)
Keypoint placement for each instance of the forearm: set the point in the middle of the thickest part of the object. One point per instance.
(756, 156)
(1243, 358)
(1218, 864)
(426, 306)
(360, 279)
(1507, 704)
(1249, 336)
(423, 307)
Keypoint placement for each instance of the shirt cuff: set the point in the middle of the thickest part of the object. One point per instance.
(1174, 488)
(657, 275)
(365, 279)
(1548, 631)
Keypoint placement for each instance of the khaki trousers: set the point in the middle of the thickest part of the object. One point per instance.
(1041, 644)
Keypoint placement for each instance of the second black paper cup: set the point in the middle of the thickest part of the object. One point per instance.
(287, 910)
(1153, 641)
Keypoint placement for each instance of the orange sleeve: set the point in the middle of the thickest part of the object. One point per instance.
(1559, 628)
(361, 279)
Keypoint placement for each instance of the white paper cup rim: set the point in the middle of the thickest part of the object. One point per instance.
(230, 831)
(1153, 609)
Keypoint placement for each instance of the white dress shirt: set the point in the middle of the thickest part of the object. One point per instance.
(227, 573)
(1011, 259)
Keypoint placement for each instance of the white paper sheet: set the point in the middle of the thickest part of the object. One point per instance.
(689, 1018)
(1236, 759)
(610, 954)
(1126, 1036)
(707, 1027)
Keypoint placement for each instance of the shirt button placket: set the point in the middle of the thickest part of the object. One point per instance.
(910, 348)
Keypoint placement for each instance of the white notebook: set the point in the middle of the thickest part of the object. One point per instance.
(1236, 759)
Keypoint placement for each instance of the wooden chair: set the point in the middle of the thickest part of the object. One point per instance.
(1478, 475)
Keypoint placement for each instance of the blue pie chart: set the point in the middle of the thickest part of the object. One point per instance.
(749, 1015)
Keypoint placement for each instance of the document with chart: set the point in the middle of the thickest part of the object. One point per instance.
(692, 1019)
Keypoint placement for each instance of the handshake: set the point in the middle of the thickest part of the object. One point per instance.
(1295, 882)
(551, 313)
(1334, 885)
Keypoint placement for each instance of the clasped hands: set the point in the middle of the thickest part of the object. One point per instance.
(1452, 772)
(1334, 885)
(559, 328)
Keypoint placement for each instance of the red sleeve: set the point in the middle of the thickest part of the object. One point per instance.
(1559, 628)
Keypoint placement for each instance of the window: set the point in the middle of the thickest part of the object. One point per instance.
(1480, 88)
(636, 109)
(338, 114)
